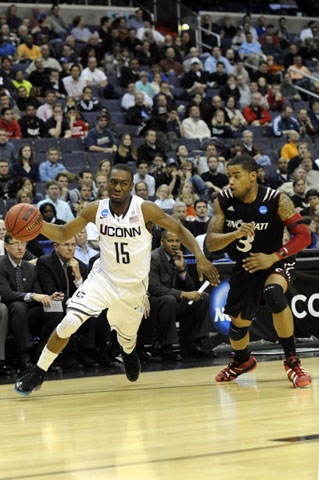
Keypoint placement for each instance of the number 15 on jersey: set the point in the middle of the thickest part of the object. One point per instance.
(122, 255)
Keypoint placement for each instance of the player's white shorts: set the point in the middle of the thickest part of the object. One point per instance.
(125, 304)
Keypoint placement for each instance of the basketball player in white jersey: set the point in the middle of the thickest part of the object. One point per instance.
(119, 278)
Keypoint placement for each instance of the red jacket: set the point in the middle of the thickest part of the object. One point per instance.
(263, 116)
(13, 130)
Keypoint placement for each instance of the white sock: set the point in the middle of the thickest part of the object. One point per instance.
(46, 359)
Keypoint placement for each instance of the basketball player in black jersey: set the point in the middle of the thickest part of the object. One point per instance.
(248, 222)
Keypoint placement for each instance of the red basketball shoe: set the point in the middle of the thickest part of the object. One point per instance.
(296, 374)
(234, 369)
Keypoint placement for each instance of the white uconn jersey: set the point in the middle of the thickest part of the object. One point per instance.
(125, 243)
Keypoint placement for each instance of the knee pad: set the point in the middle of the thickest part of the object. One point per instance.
(275, 298)
(69, 325)
(237, 333)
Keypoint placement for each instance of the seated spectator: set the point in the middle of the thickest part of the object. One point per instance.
(19, 81)
(57, 126)
(306, 128)
(26, 166)
(281, 175)
(148, 32)
(200, 224)
(49, 169)
(232, 111)
(129, 98)
(6, 49)
(303, 152)
(28, 50)
(142, 176)
(45, 111)
(143, 85)
(211, 62)
(130, 74)
(23, 100)
(194, 76)
(218, 78)
(100, 138)
(11, 127)
(213, 179)
(49, 215)
(272, 49)
(296, 70)
(31, 126)
(77, 127)
(126, 152)
(58, 25)
(312, 180)
(285, 122)
(74, 84)
(39, 77)
(63, 209)
(141, 190)
(299, 195)
(79, 32)
(24, 196)
(165, 90)
(209, 108)
(139, 114)
(255, 114)
(93, 48)
(28, 184)
(145, 53)
(314, 113)
(193, 126)
(83, 250)
(92, 75)
(20, 290)
(69, 196)
(288, 89)
(230, 89)
(163, 198)
(170, 288)
(250, 50)
(7, 149)
(262, 178)
(193, 53)
(219, 127)
(53, 82)
(253, 149)
(287, 187)
(275, 99)
(9, 181)
(86, 195)
(88, 103)
(150, 148)
(312, 227)
(171, 177)
(210, 150)
(188, 197)
(290, 149)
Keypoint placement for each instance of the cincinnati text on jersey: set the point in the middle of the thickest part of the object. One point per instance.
(237, 223)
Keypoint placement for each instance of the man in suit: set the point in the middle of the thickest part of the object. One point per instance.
(21, 292)
(170, 288)
(59, 270)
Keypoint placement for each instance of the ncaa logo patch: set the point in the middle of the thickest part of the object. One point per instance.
(263, 209)
(104, 212)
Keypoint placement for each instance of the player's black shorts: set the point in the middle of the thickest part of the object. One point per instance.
(245, 294)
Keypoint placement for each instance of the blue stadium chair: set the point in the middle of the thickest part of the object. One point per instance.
(112, 105)
(299, 105)
(175, 81)
(94, 159)
(120, 129)
(18, 142)
(272, 155)
(191, 143)
(257, 130)
(43, 144)
(47, 246)
(19, 66)
(118, 118)
(112, 80)
(41, 188)
(72, 144)
(138, 141)
(75, 162)
(278, 142)
(90, 117)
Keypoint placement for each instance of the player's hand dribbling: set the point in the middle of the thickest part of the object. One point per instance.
(246, 230)
(206, 267)
(259, 261)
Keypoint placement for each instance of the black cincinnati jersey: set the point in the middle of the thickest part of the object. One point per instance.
(263, 211)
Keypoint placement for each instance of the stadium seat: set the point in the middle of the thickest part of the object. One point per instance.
(192, 143)
(72, 144)
(120, 129)
(112, 105)
(90, 118)
(43, 144)
(118, 117)
(94, 159)
(75, 162)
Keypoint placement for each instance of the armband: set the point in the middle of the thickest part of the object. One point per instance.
(301, 237)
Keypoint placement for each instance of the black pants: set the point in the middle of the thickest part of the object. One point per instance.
(166, 311)
(24, 318)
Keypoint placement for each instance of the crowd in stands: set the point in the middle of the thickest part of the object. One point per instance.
(77, 99)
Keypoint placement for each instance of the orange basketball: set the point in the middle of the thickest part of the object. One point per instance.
(23, 221)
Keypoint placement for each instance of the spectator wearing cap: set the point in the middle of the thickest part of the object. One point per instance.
(11, 127)
(78, 127)
(100, 138)
(194, 76)
(74, 84)
(193, 53)
(56, 21)
(150, 148)
(142, 176)
(171, 177)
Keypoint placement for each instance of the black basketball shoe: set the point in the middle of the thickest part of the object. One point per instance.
(30, 381)
(132, 365)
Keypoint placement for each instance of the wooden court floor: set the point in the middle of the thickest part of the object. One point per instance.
(170, 425)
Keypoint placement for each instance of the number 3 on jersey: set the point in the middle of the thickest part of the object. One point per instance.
(122, 256)
(247, 243)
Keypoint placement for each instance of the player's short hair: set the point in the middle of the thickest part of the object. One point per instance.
(245, 161)
(122, 166)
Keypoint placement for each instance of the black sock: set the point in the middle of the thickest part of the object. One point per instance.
(288, 345)
(242, 355)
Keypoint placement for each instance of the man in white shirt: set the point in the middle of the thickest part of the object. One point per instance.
(193, 126)
(63, 210)
(48, 62)
(149, 33)
(142, 176)
(93, 76)
(128, 99)
(73, 84)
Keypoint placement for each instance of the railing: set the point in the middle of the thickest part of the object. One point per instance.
(301, 89)
(199, 31)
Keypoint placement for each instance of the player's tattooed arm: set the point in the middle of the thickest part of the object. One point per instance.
(215, 238)
(286, 208)
(216, 225)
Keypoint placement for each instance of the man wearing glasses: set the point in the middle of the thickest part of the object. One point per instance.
(21, 292)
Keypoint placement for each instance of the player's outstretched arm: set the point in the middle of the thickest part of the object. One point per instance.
(62, 233)
(216, 239)
(152, 213)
